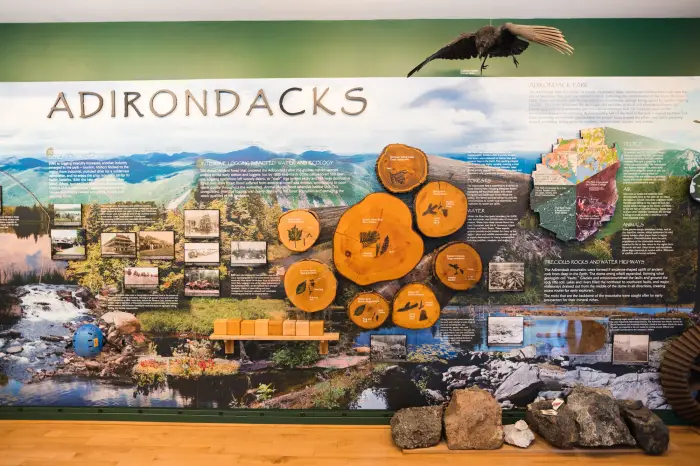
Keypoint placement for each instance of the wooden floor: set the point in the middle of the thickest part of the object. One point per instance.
(56, 443)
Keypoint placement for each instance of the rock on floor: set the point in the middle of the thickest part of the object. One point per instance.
(598, 418)
(559, 430)
(473, 421)
(647, 428)
(417, 427)
(518, 434)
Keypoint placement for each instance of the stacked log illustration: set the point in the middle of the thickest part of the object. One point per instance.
(375, 246)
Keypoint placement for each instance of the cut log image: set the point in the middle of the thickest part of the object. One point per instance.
(310, 285)
(374, 240)
(368, 310)
(457, 265)
(401, 168)
(298, 229)
(415, 306)
(441, 209)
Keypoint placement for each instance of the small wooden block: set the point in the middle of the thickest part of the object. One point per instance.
(229, 347)
(247, 327)
(303, 328)
(220, 326)
(316, 328)
(289, 328)
(262, 327)
(322, 347)
(233, 327)
(275, 327)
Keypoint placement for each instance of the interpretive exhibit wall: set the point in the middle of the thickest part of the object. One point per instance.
(273, 215)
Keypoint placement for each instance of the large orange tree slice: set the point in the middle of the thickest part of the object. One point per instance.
(310, 285)
(457, 265)
(401, 168)
(441, 209)
(368, 310)
(415, 306)
(374, 240)
(298, 229)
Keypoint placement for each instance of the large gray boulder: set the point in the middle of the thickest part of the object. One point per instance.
(520, 387)
(560, 430)
(598, 418)
(417, 427)
(473, 421)
(645, 387)
(647, 428)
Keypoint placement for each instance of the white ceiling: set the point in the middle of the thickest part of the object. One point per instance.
(46, 11)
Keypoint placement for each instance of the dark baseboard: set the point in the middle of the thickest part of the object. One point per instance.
(238, 416)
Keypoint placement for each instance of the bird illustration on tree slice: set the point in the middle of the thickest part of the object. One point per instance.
(507, 40)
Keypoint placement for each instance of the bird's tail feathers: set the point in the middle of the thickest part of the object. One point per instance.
(544, 35)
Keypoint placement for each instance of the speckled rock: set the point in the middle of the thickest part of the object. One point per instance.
(560, 430)
(417, 427)
(598, 418)
(647, 428)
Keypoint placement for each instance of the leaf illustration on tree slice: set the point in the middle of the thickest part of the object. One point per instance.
(423, 315)
(457, 265)
(367, 224)
(431, 210)
(359, 310)
(368, 238)
(401, 168)
(445, 212)
(454, 266)
(368, 309)
(385, 245)
(294, 234)
(299, 290)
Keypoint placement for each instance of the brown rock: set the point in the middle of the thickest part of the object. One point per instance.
(125, 323)
(473, 421)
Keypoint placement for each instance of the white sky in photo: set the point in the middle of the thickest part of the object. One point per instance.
(439, 115)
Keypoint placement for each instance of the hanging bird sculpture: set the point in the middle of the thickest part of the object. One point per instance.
(507, 40)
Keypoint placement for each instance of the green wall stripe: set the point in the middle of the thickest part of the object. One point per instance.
(296, 49)
(246, 416)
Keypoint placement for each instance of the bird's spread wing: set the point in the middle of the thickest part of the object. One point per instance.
(543, 35)
(461, 48)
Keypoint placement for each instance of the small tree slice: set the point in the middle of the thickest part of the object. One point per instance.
(415, 306)
(298, 229)
(401, 168)
(310, 285)
(441, 209)
(368, 310)
(374, 240)
(457, 266)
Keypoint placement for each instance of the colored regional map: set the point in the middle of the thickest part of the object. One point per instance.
(575, 191)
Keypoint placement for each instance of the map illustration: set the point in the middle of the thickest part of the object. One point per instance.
(575, 191)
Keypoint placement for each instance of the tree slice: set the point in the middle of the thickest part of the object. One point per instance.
(310, 285)
(457, 265)
(415, 306)
(374, 240)
(401, 168)
(298, 229)
(368, 309)
(441, 209)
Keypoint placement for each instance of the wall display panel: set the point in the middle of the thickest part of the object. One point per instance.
(350, 238)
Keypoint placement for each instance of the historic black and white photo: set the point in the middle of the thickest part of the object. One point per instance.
(630, 349)
(201, 253)
(388, 347)
(120, 244)
(144, 278)
(202, 223)
(67, 215)
(248, 253)
(506, 276)
(505, 330)
(157, 245)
